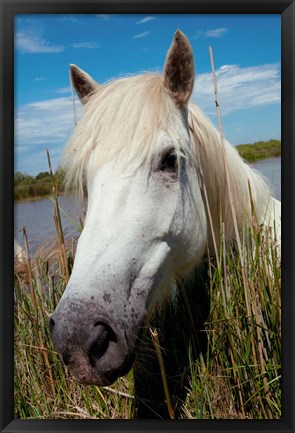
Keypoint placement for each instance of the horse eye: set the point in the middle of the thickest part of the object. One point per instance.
(169, 162)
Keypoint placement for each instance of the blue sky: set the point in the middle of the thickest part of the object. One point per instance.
(247, 55)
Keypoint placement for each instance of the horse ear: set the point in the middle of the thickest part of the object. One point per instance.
(179, 69)
(84, 84)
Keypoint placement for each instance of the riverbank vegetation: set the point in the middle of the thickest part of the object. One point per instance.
(27, 187)
(260, 150)
(238, 376)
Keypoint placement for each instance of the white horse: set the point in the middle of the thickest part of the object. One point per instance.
(158, 182)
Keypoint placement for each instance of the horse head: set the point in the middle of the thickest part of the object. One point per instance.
(146, 222)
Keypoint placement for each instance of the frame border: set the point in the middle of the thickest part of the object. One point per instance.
(8, 8)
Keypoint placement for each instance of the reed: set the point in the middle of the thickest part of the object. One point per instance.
(237, 377)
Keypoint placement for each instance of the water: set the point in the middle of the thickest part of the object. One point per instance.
(271, 169)
(37, 216)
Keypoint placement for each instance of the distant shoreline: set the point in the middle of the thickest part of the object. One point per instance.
(39, 197)
(258, 151)
(251, 153)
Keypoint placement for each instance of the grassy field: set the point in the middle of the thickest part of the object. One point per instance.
(238, 376)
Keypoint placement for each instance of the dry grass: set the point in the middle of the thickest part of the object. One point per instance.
(238, 376)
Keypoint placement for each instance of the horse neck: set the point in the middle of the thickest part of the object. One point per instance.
(229, 185)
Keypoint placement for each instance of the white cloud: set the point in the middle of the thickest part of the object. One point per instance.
(44, 122)
(213, 33)
(88, 45)
(103, 16)
(64, 90)
(31, 43)
(39, 79)
(145, 20)
(216, 33)
(140, 35)
(239, 88)
(70, 18)
(41, 125)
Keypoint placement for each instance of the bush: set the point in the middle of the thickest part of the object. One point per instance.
(261, 150)
(26, 186)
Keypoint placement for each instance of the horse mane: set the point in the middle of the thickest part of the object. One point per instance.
(121, 120)
(218, 161)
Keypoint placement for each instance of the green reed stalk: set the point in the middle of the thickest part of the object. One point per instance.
(29, 270)
(155, 338)
(58, 223)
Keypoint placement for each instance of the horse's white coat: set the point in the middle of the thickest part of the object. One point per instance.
(151, 227)
(273, 220)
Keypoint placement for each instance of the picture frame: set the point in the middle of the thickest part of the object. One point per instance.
(9, 9)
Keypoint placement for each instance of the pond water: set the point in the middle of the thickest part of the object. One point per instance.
(271, 170)
(38, 216)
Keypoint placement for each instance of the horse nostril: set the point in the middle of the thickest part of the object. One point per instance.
(103, 336)
(51, 324)
(66, 359)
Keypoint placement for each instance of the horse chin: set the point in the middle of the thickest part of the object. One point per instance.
(85, 374)
(96, 378)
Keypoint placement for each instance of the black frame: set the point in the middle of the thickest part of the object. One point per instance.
(8, 8)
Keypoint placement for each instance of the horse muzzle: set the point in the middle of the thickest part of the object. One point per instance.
(93, 346)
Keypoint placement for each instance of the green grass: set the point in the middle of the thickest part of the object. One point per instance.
(260, 150)
(239, 376)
